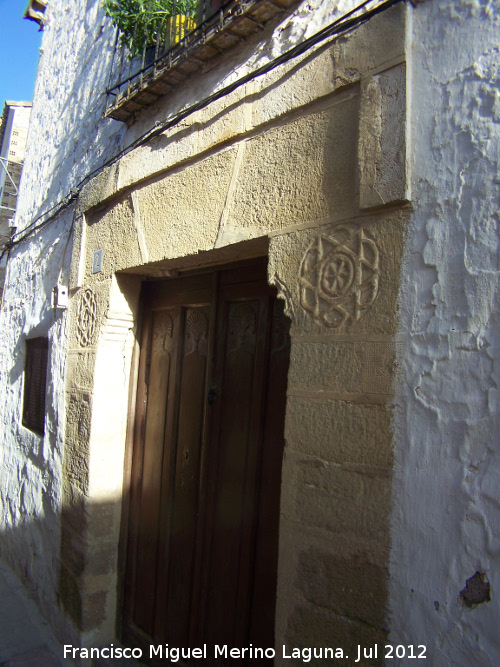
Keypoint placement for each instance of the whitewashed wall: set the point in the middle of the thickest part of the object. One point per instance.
(68, 135)
(446, 510)
(30, 465)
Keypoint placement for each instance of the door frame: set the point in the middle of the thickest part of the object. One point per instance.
(132, 414)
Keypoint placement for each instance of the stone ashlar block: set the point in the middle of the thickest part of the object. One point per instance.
(284, 90)
(301, 171)
(98, 189)
(205, 130)
(76, 453)
(73, 498)
(80, 369)
(297, 84)
(344, 367)
(88, 307)
(341, 278)
(180, 214)
(323, 496)
(100, 559)
(382, 139)
(88, 544)
(103, 518)
(76, 464)
(381, 40)
(351, 587)
(310, 626)
(331, 67)
(114, 231)
(73, 541)
(70, 596)
(340, 432)
(86, 610)
(93, 610)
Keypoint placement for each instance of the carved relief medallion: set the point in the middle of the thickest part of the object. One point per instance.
(196, 333)
(162, 334)
(339, 275)
(86, 318)
(242, 326)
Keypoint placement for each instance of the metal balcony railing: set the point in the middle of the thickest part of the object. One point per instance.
(173, 47)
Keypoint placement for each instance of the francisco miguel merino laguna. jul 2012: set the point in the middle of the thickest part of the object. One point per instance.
(176, 653)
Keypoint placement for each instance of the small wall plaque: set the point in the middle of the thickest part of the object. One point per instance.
(97, 264)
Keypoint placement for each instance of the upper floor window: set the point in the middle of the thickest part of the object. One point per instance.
(35, 380)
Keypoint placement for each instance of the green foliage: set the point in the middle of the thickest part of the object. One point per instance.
(140, 20)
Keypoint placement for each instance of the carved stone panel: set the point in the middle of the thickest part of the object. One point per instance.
(339, 275)
(86, 318)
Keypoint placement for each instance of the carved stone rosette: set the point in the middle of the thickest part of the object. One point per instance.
(339, 275)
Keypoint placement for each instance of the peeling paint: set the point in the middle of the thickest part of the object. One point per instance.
(446, 511)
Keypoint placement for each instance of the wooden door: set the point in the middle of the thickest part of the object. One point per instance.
(203, 527)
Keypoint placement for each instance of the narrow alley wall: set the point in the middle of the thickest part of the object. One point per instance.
(446, 516)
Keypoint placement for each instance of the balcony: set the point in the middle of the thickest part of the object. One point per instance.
(181, 45)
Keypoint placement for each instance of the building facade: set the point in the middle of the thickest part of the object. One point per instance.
(249, 366)
(13, 135)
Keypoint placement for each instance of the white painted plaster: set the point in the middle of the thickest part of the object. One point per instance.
(68, 136)
(30, 464)
(446, 512)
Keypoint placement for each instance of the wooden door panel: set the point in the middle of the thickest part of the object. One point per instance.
(164, 374)
(233, 445)
(159, 382)
(192, 290)
(184, 500)
(202, 546)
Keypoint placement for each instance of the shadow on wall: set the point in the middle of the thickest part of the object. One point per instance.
(23, 635)
(25, 638)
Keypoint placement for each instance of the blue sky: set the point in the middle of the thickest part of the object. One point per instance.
(19, 48)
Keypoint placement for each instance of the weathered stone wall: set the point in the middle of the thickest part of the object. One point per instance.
(315, 157)
(77, 64)
(336, 489)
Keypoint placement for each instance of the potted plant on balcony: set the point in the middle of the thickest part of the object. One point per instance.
(141, 22)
